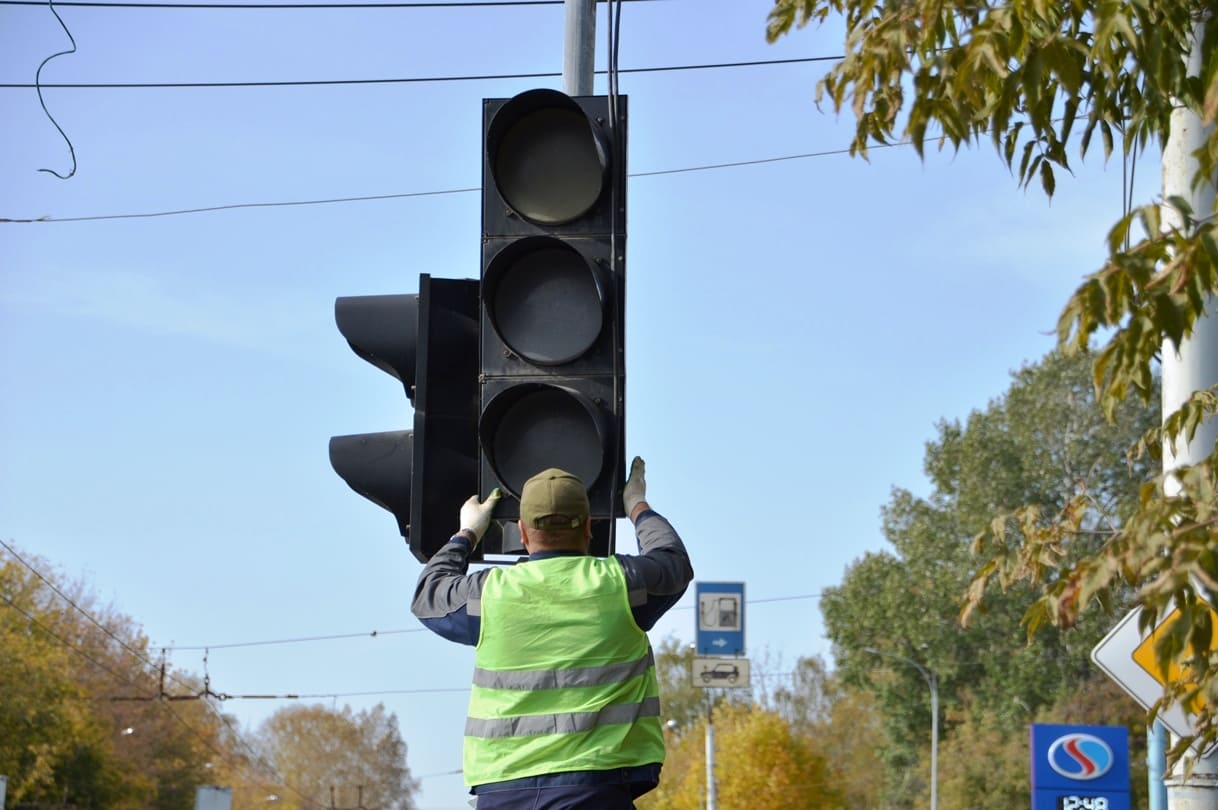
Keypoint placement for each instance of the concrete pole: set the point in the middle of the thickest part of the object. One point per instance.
(712, 791)
(579, 48)
(1191, 366)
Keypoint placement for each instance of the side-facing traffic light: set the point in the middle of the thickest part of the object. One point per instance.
(429, 342)
(553, 297)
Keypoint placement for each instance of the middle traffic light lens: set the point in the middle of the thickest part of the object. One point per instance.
(544, 301)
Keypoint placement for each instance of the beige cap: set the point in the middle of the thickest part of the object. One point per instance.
(553, 499)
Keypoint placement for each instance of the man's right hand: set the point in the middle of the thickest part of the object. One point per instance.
(476, 515)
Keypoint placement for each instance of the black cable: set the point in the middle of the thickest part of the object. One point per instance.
(38, 87)
(225, 6)
(233, 206)
(409, 80)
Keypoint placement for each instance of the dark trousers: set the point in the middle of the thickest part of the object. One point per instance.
(559, 797)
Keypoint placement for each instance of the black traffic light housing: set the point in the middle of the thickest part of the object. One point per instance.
(429, 342)
(552, 314)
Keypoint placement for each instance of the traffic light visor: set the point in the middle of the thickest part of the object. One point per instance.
(544, 300)
(383, 330)
(528, 428)
(547, 160)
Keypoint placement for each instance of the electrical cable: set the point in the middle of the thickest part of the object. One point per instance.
(372, 634)
(42, 101)
(297, 6)
(407, 80)
(374, 197)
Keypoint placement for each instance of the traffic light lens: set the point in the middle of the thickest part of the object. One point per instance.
(545, 302)
(531, 428)
(548, 164)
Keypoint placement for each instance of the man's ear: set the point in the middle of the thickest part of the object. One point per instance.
(524, 535)
(587, 535)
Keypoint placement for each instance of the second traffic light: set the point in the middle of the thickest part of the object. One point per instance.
(552, 313)
(429, 342)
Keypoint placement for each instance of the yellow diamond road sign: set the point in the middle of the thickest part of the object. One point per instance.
(1127, 656)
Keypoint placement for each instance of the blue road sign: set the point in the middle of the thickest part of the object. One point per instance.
(1080, 767)
(720, 618)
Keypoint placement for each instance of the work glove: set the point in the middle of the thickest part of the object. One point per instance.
(476, 515)
(635, 491)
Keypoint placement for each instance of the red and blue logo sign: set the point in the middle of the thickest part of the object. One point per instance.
(1080, 767)
(1080, 756)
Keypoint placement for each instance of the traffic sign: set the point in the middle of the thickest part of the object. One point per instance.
(720, 628)
(731, 673)
(1118, 656)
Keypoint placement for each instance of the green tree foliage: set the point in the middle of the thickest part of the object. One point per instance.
(1028, 76)
(80, 722)
(1023, 448)
(761, 763)
(353, 759)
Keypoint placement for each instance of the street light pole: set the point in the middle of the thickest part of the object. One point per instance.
(932, 680)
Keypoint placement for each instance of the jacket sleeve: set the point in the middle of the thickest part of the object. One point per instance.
(447, 600)
(659, 574)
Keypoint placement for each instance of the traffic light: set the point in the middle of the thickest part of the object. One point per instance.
(552, 312)
(429, 342)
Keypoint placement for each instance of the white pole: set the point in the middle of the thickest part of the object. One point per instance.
(579, 47)
(1187, 368)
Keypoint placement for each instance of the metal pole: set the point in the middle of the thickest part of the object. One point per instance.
(932, 680)
(579, 47)
(1187, 368)
(1156, 754)
(712, 793)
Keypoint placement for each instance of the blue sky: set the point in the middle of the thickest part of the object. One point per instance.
(794, 328)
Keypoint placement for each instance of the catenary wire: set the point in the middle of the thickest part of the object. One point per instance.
(375, 197)
(297, 6)
(403, 80)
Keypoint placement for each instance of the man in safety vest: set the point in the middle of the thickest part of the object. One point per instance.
(564, 712)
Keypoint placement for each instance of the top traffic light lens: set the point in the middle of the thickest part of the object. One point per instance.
(548, 162)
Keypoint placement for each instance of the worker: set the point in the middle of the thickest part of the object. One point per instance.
(564, 712)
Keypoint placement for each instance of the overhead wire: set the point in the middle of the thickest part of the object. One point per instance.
(42, 101)
(406, 80)
(405, 195)
(297, 6)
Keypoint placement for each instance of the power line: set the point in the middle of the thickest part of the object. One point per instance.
(405, 80)
(375, 197)
(371, 634)
(209, 6)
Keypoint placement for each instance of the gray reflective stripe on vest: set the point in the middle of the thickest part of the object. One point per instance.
(473, 602)
(571, 723)
(534, 679)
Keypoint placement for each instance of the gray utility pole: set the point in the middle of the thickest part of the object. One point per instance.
(1193, 366)
(579, 48)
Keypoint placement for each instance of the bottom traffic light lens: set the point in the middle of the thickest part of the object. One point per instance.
(529, 428)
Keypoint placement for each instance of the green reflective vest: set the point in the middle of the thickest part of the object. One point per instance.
(564, 680)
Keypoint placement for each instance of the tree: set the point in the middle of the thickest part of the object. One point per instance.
(1042, 432)
(81, 722)
(358, 755)
(1024, 76)
(762, 764)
